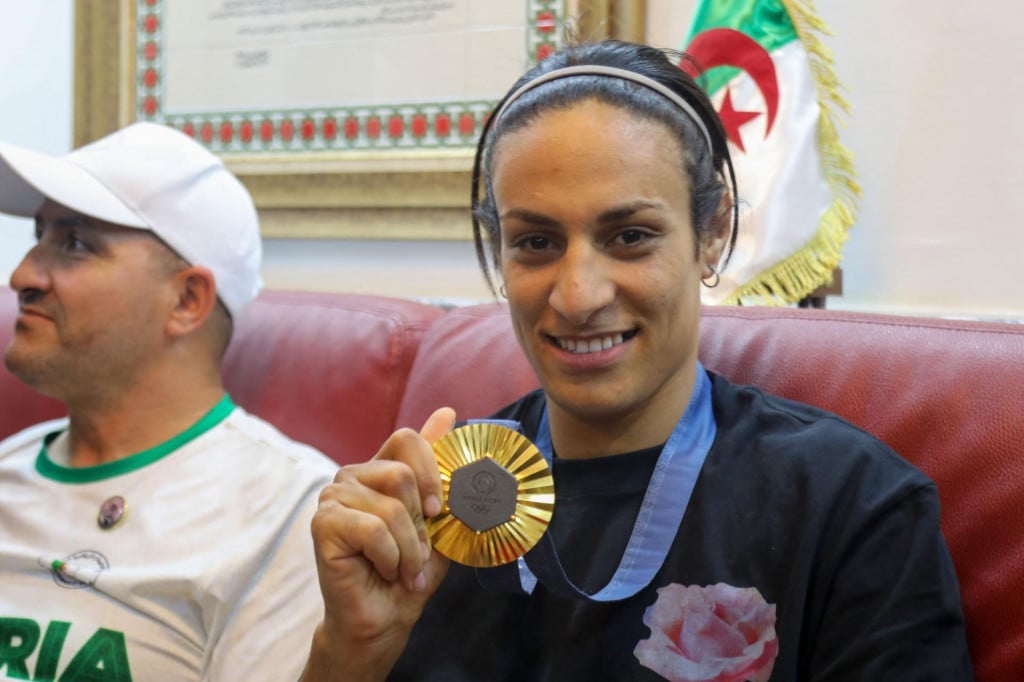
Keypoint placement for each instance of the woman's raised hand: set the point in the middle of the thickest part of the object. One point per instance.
(373, 554)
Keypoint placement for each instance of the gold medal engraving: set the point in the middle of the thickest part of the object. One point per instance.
(498, 495)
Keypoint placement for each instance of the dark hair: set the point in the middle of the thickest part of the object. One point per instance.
(705, 167)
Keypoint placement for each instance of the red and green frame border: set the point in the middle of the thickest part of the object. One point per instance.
(405, 126)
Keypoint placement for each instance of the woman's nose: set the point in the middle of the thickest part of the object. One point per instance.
(583, 286)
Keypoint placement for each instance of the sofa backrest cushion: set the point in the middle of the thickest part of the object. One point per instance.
(469, 360)
(326, 369)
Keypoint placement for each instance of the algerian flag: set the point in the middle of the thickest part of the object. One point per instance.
(772, 83)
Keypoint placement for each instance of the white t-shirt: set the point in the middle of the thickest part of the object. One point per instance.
(208, 574)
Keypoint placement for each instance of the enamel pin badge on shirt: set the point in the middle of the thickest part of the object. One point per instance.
(111, 512)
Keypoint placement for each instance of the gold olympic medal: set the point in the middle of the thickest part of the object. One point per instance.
(498, 495)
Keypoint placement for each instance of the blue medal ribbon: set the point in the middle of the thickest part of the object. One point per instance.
(661, 513)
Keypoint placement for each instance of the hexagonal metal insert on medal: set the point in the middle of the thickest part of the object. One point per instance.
(482, 494)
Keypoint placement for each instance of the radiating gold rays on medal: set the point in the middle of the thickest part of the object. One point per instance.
(535, 500)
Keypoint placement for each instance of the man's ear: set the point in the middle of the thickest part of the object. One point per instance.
(196, 292)
(715, 241)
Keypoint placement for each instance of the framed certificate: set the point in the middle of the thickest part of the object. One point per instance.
(345, 118)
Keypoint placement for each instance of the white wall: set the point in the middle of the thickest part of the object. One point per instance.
(35, 95)
(933, 128)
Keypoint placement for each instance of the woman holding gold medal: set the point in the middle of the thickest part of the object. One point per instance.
(698, 530)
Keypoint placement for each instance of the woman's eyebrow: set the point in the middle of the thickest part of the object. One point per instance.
(528, 216)
(628, 210)
(610, 216)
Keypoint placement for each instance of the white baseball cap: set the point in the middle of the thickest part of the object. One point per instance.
(150, 177)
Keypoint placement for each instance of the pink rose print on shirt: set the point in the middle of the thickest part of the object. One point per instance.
(717, 633)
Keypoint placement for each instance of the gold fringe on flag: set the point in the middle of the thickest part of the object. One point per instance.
(812, 265)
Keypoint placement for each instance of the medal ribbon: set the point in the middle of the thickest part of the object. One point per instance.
(661, 513)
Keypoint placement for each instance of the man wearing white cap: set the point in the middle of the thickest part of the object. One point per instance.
(159, 532)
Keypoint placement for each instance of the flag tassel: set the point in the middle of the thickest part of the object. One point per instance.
(813, 264)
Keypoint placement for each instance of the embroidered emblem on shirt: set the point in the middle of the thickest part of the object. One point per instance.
(77, 570)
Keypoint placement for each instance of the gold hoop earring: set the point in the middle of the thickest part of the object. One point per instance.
(712, 281)
(502, 292)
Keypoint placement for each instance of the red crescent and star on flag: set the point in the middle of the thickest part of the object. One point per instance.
(729, 47)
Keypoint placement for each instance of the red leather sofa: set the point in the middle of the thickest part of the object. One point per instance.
(342, 371)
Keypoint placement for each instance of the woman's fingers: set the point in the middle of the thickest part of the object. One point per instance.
(378, 509)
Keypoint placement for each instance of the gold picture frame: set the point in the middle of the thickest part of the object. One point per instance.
(418, 194)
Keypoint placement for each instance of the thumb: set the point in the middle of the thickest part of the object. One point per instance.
(438, 424)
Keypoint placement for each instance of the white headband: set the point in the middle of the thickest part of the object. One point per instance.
(613, 72)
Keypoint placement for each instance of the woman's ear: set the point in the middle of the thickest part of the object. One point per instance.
(715, 240)
(196, 292)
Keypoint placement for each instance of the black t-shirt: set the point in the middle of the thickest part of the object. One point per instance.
(809, 551)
